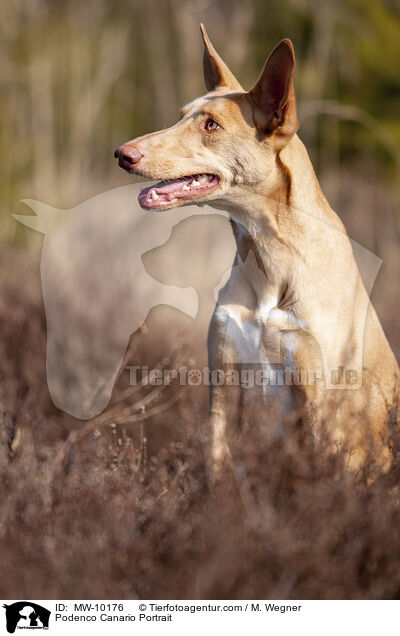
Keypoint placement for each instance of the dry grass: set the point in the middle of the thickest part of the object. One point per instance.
(102, 513)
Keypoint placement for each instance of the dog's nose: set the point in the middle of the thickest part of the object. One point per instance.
(128, 156)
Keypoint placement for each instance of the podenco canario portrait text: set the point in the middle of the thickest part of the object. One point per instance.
(295, 295)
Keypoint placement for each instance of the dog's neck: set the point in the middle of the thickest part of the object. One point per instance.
(279, 225)
(303, 191)
(288, 196)
(278, 211)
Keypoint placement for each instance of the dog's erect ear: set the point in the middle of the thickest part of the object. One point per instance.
(273, 96)
(216, 72)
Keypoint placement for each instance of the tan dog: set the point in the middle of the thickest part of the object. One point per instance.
(295, 301)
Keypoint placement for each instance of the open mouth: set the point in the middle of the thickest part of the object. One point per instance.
(166, 193)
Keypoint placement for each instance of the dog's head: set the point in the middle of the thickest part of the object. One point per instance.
(225, 142)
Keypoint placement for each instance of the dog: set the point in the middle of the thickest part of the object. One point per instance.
(295, 299)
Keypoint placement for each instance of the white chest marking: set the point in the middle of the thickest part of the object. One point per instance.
(257, 338)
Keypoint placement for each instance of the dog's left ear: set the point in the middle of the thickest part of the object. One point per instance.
(216, 72)
(273, 97)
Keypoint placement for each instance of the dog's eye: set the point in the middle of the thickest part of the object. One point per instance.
(210, 125)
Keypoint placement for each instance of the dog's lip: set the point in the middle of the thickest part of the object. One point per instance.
(167, 193)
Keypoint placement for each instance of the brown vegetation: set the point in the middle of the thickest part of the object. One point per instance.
(94, 510)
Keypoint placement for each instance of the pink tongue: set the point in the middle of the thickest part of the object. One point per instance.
(166, 188)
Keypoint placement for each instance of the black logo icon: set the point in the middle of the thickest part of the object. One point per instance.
(26, 615)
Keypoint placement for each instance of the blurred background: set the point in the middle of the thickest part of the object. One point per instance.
(77, 79)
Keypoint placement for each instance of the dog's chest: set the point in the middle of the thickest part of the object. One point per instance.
(255, 335)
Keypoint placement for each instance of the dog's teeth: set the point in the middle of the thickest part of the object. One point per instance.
(154, 195)
(195, 183)
(203, 178)
(185, 187)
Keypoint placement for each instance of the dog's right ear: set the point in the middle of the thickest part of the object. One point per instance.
(216, 72)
